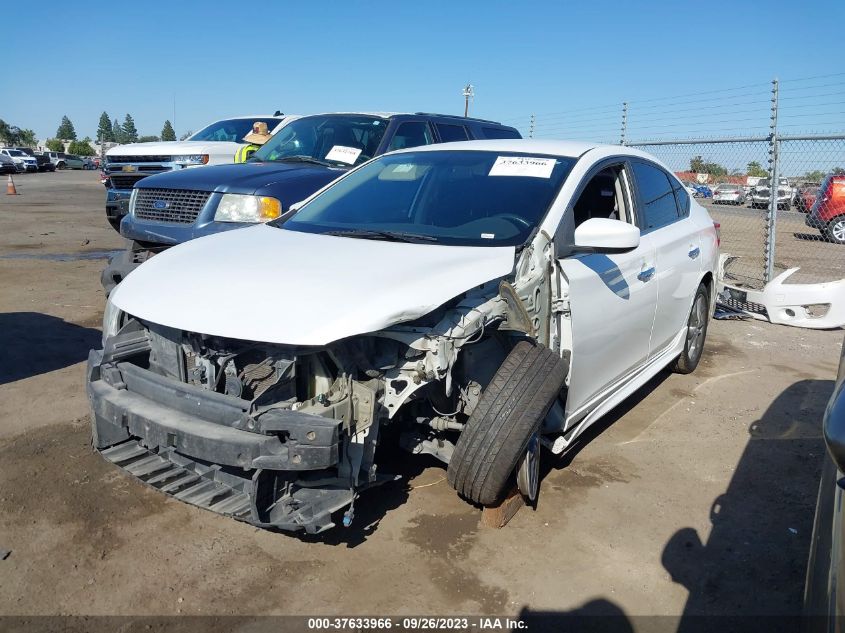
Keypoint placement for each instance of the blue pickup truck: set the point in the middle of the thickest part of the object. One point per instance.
(302, 157)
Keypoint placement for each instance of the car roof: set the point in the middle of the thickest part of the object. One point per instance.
(419, 115)
(570, 149)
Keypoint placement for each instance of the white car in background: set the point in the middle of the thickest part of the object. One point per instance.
(729, 194)
(23, 161)
(481, 299)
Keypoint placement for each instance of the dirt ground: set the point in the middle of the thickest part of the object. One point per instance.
(696, 497)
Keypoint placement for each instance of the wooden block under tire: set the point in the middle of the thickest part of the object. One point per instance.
(498, 516)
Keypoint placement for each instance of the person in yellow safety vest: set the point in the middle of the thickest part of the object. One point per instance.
(259, 135)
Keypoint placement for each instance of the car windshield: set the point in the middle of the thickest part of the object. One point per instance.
(467, 198)
(333, 139)
(15, 152)
(232, 130)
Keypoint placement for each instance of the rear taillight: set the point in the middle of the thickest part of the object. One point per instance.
(718, 228)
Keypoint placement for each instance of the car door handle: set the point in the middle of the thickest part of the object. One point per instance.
(694, 253)
(646, 274)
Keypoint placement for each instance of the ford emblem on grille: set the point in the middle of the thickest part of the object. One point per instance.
(161, 204)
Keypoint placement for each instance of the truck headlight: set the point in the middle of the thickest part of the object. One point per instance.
(111, 320)
(132, 198)
(235, 207)
(191, 159)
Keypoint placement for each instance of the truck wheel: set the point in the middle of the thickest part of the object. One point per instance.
(835, 230)
(509, 413)
(696, 333)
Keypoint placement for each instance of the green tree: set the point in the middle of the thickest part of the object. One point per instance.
(66, 131)
(55, 145)
(815, 176)
(755, 169)
(838, 171)
(117, 131)
(696, 164)
(167, 132)
(130, 132)
(148, 139)
(28, 138)
(81, 148)
(105, 133)
(9, 134)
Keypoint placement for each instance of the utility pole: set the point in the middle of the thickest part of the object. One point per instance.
(774, 159)
(469, 93)
(531, 126)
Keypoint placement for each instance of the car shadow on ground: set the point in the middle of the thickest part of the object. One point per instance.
(753, 562)
(34, 343)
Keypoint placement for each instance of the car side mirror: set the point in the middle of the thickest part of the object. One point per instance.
(605, 234)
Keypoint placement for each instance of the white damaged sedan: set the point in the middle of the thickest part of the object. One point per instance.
(483, 299)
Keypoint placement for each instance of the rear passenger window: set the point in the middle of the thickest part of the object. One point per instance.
(449, 133)
(498, 132)
(411, 134)
(659, 206)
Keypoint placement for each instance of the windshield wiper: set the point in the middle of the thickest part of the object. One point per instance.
(304, 159)
(391, 236)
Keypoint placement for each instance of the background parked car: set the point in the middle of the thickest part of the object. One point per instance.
(23, 161)
(761, 194)
(728, 194)
(88, 163)
(828, 211)
(703, 190)
(7, 165)
(64, 161)
(806, 196)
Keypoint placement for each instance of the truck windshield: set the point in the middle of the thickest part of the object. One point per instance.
(232, 130)
(335, 139)
(468, 198)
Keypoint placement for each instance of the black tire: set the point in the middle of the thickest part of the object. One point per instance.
(834, 230)
(510, 411)
(699, 318)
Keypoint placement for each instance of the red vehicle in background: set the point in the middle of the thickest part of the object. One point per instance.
(828, 211)
(806, 197)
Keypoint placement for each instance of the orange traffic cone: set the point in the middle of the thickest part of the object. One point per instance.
(10, 187)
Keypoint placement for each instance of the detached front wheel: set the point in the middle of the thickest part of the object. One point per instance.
(498, 435)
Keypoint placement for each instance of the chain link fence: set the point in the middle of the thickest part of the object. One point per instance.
(744, 154)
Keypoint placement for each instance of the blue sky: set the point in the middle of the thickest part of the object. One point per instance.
(227, 58)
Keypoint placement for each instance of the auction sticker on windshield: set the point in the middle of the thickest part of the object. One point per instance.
(523, 166)
(344, 154)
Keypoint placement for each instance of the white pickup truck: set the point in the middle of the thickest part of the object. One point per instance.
(214, 144)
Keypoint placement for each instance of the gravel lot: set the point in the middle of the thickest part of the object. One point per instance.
(697, 497)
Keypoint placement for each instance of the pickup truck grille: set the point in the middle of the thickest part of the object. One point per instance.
(119, 181)
(178, 206)
(139, 159)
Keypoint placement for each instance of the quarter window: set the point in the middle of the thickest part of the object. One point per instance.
(449, 133)
(659, 207)
(411, 134)
(681, 198)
